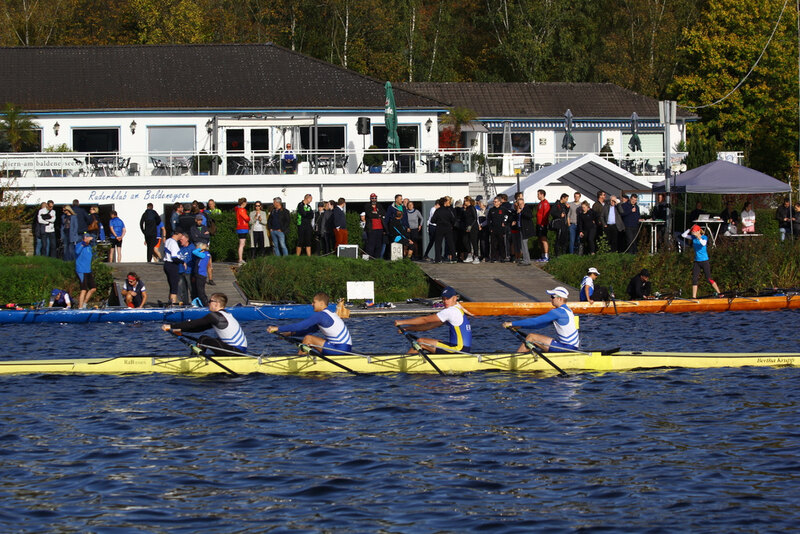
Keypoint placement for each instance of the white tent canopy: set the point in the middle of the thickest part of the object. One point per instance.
(586, 174)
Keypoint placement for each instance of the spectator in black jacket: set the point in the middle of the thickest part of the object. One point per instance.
(587, 228)
(496, 219)
(471, 229)
(149, 226)
(630, 217)
(639, 287)
(374, 228)
(445, 220)
(785, 218)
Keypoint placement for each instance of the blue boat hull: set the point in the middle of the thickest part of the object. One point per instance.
(269, 312)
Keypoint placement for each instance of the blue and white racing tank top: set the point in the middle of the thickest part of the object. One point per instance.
(232, 334)
(336, 333)
(566, 331)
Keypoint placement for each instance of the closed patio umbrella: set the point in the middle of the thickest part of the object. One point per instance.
(568, 143)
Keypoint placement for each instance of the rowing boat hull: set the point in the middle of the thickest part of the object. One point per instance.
(448, 363)
(167, 315)
(641, 306)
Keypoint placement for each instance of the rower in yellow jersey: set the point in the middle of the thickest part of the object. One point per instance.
(453, 315)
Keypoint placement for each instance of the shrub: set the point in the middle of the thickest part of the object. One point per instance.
(10, 238)
(29, 279)
(745, 266)
(298, 278)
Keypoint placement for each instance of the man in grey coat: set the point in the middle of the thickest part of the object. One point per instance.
(613, 225)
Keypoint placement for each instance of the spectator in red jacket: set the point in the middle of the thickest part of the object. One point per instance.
(242, 226)
(542, 216)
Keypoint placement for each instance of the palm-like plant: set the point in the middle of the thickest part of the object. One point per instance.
(16, 128)
(458, 117)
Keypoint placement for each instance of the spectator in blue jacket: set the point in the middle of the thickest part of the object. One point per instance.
(84, 253)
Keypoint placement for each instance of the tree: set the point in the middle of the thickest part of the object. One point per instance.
(18, 129)
(760, 117)
(457, 117)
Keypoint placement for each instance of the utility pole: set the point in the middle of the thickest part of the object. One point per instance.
(667, 110)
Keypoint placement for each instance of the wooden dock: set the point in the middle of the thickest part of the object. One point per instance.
(495, 282)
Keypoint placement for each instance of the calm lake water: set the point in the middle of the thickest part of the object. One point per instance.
(659, 451)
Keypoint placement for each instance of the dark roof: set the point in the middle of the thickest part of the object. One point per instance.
(542, 100)
(232, 76)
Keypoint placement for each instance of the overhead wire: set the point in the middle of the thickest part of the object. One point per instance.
(746, 76)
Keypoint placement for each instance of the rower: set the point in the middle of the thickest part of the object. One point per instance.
(231, 338)
(336, 338)
(587, 285)
(60, 299)
(563, 320)
(453, 315)
(134, 291)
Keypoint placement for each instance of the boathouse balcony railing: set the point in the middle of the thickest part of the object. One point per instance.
(63, 164)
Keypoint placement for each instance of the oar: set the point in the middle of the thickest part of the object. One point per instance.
(613, 299)
(320, 355)
(524, 337)
(187, 340)
(414, 343)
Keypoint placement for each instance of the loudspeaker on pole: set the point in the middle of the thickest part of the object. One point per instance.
(363, 124)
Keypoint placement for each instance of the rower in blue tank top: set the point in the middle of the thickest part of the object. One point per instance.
(453, 315)
(336, 338)
(563, 320)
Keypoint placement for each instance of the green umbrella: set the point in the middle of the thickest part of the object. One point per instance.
(390, 117)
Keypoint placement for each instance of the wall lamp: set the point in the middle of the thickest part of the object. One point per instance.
(428, 124)
(56, 128)
(133, 127)
(209, 126)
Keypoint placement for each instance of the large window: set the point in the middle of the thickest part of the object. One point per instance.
(585, 141)
(520, 143)
(259, 139)
(652, 145)
(171, 139)
(408, 136)
(328, 137)
(95, 139)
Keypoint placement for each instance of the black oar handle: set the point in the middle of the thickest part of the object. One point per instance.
(187, 340)
(415, 343)
(532, 346)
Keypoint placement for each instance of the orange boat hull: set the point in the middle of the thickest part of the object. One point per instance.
(640, 306)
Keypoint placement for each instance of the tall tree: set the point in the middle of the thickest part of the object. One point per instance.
(760, 117)
(30, 22)
(641, 42)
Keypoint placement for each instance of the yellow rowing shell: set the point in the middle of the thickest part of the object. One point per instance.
(399, 363)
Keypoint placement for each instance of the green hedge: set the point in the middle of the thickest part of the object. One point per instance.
(743, 265)
(225, 244)
(10, 238)
(297, 279)
(29, 279)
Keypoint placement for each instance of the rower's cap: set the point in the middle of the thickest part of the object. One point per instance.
(362, 214)
(55, 292)
(559, 292)
(696, 228)
(593, 270)
(448, 293)
(644, 272)
(373, 196)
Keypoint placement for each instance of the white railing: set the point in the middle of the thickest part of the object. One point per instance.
(60, 164)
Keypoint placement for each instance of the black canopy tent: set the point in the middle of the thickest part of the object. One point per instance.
(723, 178)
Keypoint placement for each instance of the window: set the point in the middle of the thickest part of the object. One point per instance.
(234, 140)
(520, 143)
(95, 139)
(171, 139)
(328, 137)
(652, 145)
(408, 136)
(259, 140)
